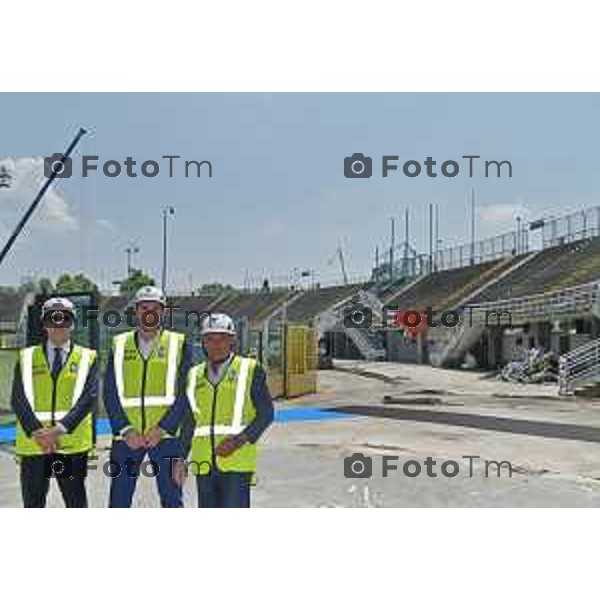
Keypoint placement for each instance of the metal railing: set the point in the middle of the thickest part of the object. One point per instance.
(556, 231)
(579, 225)
(481, 251)
(577, 300)
(333, 320)
(581, 365)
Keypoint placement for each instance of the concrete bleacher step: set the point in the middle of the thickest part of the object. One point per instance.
(557, 267)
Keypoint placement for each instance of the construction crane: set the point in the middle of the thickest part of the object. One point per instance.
(339, 256)
(15, 234)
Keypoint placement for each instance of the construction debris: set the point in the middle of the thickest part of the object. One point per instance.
(537, 367)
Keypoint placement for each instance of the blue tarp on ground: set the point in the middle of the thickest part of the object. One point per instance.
(284, 415)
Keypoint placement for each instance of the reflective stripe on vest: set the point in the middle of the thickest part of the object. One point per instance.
(50, 397)
(27, 377)
(133, 401)
(238, 409)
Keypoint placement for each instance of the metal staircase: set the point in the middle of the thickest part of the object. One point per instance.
(579, 369)
(456, 342)
(564, 303)
(366, 342)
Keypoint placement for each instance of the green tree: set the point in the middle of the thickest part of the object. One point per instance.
(135, 281)
(66, 284)
(45, 285)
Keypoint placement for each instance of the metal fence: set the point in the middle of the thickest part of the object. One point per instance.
(493, 248)
(556, 231)
(505, 245)
(579, 225)
(290, 356)
(567, 302)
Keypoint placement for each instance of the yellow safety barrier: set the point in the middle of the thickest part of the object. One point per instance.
(300, 361)
(290, 357)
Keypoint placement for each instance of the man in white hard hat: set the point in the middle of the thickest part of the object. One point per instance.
(54, 395)
(143, 394)
(232, 407)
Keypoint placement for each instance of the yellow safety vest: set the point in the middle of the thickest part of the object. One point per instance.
(147, 388)
(51, 400)
(220, 411)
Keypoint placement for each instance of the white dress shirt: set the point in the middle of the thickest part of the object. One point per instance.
(50, 352)
(214, 375)
(147, 344)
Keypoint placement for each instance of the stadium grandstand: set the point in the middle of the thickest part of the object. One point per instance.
(551, 294)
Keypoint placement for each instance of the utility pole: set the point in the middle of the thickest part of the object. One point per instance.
(406, 243)
(472, 226)
(130, 250)
(169, 210)
(438, 242)
(392, 244)
(56, 169)
(430, 237)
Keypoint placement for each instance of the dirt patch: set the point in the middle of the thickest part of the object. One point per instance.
(413, 400)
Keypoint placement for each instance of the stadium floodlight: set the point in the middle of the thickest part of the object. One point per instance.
(167, 211)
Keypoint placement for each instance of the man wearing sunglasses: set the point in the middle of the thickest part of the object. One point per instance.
(54, 395)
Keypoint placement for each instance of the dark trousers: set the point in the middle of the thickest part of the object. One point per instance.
(156, 463)
(224, 490)
(70, 472)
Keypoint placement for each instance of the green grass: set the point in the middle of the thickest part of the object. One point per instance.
(6, 420)
(7, 364)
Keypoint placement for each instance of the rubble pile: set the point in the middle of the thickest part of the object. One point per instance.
(537, 367)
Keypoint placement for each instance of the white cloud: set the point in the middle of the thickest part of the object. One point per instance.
(500, 217)
(106, 225)
(53, 214)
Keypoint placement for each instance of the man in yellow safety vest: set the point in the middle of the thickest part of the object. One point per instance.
(54, 395)
(232, 407)
(144, 397)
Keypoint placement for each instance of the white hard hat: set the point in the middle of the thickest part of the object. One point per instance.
(218, 323)
(58, 304)
(150, 293)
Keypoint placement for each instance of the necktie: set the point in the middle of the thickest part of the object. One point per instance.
(57, 363)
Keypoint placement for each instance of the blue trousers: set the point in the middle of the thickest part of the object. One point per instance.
(126, 465)
(224, 490)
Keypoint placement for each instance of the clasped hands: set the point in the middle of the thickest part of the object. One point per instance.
(47, 438)
(136, 440)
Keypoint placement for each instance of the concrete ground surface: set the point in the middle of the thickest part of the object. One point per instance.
(301, 463)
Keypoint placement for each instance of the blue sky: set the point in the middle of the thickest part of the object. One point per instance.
(278, 199)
